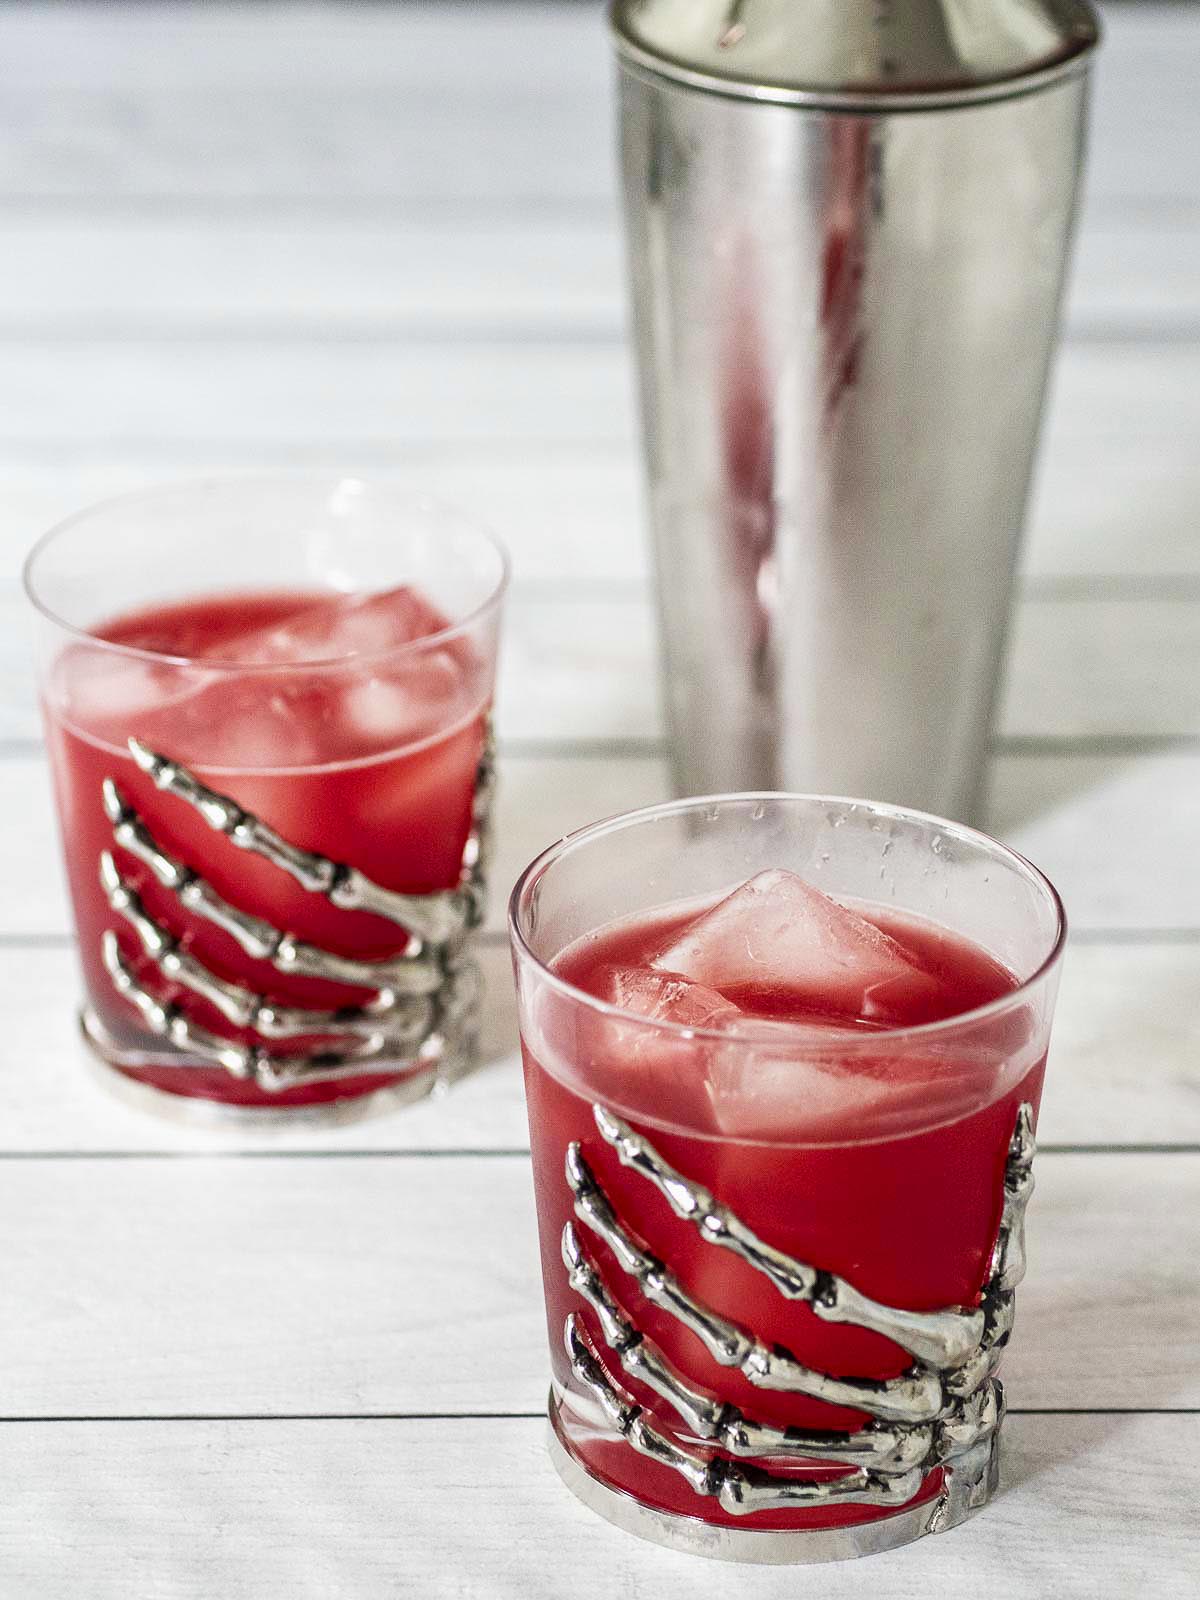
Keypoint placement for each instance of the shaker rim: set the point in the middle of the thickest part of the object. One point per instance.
(651, 58)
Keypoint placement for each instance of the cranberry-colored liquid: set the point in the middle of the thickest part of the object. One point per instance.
(908, 1219)
(392, 801)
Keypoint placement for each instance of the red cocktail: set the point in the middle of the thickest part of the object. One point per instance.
(267, 709)
(783, 1060)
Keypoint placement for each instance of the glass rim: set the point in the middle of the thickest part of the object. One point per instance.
(427, 503)
(805, 1033)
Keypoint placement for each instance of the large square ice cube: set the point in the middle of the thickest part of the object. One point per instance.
(778, 935)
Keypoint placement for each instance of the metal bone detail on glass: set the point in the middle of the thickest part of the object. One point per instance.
(423, 1004)
(944, 1413)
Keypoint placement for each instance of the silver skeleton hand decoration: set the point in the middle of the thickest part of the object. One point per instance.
(424, 1002)
(944, 1412)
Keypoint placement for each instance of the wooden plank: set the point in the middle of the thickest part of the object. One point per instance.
(357, 47)
(1096, 668)
(379, 274)
(447, 1509)
(540, 799)
(295, 392)
(571, 668)
(404, 1284)
(1131, 272)
(52, 1100)
(324, 275)
(1124, 1067)
(578, 663)
(143, 103)
(580, 669)
(362, 1285)
(414, 107)
(1125, 1061)
(572, 510)
(1124, 505)
(1143, 115)
(563, 509)
(388, 394)
(1116, 832)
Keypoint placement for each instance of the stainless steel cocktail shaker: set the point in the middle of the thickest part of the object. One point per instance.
(848, 226)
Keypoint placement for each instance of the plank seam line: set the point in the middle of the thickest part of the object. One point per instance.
(465, 210)
(495, 938)
(466, 1153)
(485, 938)
(1119, 211)
(329, 331)
(287, 1416)
(655, 747)
(501, 1416)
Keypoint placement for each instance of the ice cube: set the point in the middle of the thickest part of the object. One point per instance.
(664, 997)
(776, 1090)
(335, 625)
(250, 720)
(405, 701)
(740, 1075)
(808, 1088)
(777, 933)
(107, 691)
(643, 1070)
(380, 709)
(728, 1081)
(111, 687)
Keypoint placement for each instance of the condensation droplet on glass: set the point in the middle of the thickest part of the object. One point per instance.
(758, 813)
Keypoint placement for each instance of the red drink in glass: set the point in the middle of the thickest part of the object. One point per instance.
(351, 722)
(868, 1136)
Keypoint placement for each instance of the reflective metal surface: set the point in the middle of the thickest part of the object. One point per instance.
(910, 52)
(420, 1015)
(760, 1547)
(844, 325)
(943, 1414)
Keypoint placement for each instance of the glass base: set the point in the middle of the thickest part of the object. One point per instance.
(112, 1064)
(761, 1546)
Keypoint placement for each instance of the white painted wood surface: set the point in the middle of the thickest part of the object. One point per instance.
(580, 666)
(384, 239)
(1125, 1066)
(471, 1507)
(1063, 809)
(396, 1283)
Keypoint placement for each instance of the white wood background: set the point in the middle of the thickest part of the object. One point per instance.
(383, 238)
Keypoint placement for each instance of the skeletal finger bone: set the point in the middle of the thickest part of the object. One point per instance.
(739, 1490)
(888, 1450)
(438, 918)
(941, 1339)
(423, 1004)
(1007, 1266)
(415, 974)
(404, 1022)
(937, 1339)
(270, 1073)
(915, 1396)
(944, 1414)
